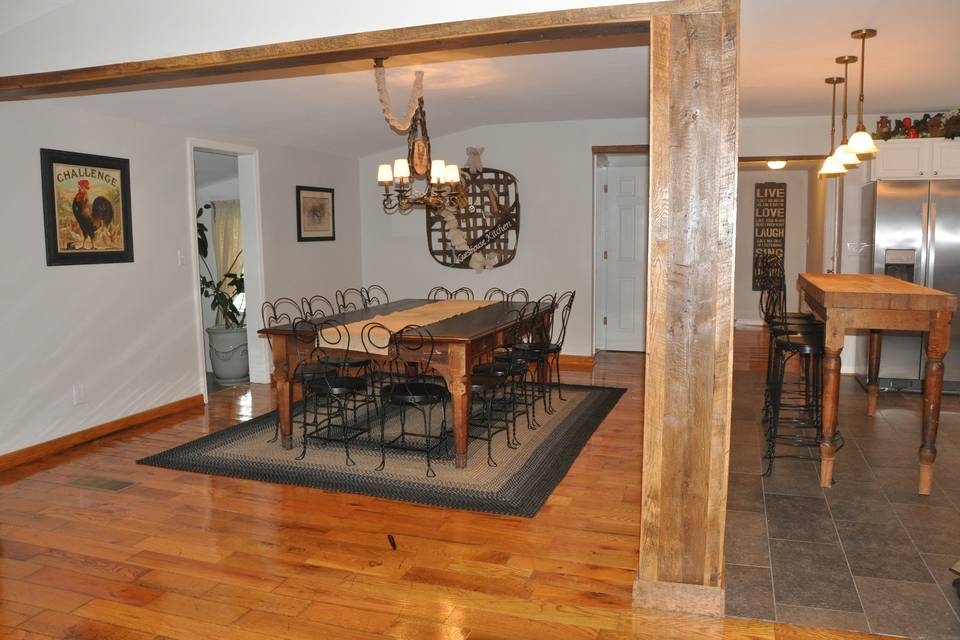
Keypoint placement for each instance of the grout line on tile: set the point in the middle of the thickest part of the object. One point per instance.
(836, 530)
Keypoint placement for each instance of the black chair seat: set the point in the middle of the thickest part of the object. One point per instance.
(803, 344)
(336, 385)
(529, 346)
(315, 368)
(414, 392)
(499, 368)
(480, 383)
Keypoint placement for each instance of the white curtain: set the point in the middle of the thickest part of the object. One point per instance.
(227, 244)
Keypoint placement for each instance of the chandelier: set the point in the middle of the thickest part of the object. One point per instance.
(444, 189)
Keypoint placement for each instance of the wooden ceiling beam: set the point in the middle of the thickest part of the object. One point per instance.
(220, 65)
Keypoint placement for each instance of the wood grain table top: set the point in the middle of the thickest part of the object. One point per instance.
(869, 291)
(461, 328)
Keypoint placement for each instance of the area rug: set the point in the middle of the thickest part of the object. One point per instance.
(519, 485)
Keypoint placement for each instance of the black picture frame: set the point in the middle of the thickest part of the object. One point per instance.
(313, 222)
(81, 195)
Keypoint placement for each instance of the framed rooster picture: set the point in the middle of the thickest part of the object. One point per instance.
(86, 208)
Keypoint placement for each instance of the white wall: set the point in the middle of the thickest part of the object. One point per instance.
(129, 332)
(746, 300)
(553, 163)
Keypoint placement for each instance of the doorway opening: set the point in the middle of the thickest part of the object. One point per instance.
(621, 179)
(225, 209)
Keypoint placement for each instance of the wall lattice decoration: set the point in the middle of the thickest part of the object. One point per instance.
(483, 234)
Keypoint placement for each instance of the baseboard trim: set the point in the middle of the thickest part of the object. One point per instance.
(37, 451)
(681, 598)
(576, 363)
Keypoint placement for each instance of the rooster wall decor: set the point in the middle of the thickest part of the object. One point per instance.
(86, 208)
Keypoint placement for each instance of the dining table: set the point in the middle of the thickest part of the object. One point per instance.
(852, 302)
(459, 341)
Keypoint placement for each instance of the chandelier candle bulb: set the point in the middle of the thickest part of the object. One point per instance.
(401, 169)
(438, 171)
(384, 175)
(452, 174)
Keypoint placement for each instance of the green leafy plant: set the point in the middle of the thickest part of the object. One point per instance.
(222, 293)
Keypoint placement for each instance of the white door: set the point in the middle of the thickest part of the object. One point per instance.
(622, 254)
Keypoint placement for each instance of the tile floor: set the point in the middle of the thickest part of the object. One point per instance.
(868, 554)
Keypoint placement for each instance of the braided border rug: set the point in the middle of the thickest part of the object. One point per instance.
(519, 485)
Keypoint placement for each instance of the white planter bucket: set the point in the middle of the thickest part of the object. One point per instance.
(228, 355)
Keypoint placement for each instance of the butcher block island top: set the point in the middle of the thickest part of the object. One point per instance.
(868, 291)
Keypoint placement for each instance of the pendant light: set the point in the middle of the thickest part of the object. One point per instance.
(831, 166)
(843, 153)
(860, 142)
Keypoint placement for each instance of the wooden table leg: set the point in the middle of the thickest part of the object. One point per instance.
(831, 401)
(938, 341)
(458, 383)
(873, 372)
(284, 387)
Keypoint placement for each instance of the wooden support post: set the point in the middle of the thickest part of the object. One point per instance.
(693, 159)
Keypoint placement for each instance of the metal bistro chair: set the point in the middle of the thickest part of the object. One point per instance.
(375, 295)
(409, 384)
(564, 305)
(442, 293)
(280, 312)
(317, 307)
(526, 350)
(332, 398)
(517, 295)
(350, 299)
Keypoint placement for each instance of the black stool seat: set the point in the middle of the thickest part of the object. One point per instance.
(336, 385)
(315, 368)
(803, 344)
(414, 392)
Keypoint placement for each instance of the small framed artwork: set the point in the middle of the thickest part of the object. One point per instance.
(86, 208)
(315, 215)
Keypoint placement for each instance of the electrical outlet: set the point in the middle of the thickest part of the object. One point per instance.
(79, 394)
(180, 260)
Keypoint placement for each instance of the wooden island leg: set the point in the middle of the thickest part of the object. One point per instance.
(938, 340)
(873, 372)
(458, 383)
(831, 402)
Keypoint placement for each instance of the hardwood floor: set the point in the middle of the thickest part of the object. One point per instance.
(188, 556)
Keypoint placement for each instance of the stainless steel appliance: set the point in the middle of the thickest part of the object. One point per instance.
(916, 238)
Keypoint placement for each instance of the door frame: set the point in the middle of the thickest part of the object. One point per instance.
(248, 169)
(597, 150)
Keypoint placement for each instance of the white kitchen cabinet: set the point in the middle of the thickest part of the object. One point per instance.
(944, 158)
(927, 158)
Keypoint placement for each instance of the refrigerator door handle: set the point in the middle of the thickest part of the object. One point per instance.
(931, 243)
(924, 245)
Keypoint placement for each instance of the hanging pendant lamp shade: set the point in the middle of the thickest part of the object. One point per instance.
(845, 156)
(861, 143)
(832, 167)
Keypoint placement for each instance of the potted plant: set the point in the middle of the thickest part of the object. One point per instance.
(228, 336)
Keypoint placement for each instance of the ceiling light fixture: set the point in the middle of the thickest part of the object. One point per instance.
(860, 142)
(831, 166)
(843, 153)
(776, 164)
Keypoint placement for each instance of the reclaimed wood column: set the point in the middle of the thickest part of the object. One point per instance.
(693, 178)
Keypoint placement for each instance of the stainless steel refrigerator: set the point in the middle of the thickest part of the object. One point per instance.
(916, 238)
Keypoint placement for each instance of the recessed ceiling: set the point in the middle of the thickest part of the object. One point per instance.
(338, 111)
(788, 47)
